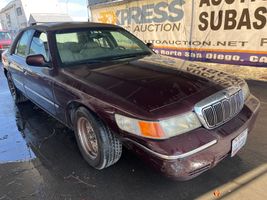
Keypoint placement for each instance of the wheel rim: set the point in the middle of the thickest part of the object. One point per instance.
(87, 137)
(11, 88)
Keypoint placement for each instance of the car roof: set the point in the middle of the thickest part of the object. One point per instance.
(69, 25)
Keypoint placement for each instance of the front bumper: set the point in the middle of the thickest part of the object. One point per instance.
(198, 150)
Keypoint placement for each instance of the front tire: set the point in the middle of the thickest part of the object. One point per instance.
(17, 96)
(98, 145)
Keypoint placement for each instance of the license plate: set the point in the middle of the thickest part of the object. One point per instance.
(239, 142)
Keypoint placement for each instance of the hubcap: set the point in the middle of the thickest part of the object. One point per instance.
(87, 137)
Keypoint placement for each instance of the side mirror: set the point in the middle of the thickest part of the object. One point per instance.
(150, 45)
(37, 60)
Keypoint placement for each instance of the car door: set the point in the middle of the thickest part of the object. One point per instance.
(38, 80)
(17, 59)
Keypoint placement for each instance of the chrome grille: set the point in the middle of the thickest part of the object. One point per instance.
(220, 107)
(222, 111)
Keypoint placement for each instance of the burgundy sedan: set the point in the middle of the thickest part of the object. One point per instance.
(101, 81)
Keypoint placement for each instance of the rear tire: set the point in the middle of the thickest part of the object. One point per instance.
(17, 96)
(98, 145)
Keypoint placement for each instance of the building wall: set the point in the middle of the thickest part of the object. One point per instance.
(13, 16)
(10, 20)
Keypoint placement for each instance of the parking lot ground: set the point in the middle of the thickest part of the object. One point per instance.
(39, 159)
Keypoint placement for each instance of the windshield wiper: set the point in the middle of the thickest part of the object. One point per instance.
(84, 62)
(118, 57)
(106, 59)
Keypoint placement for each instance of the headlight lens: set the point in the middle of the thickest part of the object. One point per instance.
(159, 130)
(245, 90)
(180, 124)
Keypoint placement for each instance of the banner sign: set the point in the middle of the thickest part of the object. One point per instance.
(223, 31)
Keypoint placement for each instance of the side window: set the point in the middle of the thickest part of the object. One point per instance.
(19, 11)
(39, 45)
(21, 48)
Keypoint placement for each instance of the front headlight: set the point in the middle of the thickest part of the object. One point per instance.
(245, 90)
(159, 129)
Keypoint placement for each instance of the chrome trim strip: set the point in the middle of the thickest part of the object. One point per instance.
(42, 97)
(258, 106)
(252, 97)
(175, 157)
(20, 83)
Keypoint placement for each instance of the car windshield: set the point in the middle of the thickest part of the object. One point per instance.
(91, 45)
(5, 36)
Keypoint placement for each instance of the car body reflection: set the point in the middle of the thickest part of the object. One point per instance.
(49, 140)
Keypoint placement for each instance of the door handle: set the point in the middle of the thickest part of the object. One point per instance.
(25, 72)
(29, 73)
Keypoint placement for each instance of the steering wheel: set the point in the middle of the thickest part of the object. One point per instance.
(120, 47)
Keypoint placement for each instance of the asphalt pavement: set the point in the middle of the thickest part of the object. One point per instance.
(39, 159)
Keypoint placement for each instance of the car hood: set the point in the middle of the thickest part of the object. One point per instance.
(154, 82)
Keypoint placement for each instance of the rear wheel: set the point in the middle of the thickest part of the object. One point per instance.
(17, 96)
(98, 145)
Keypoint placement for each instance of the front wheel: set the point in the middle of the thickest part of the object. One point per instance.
(17, 96)
(98, 145)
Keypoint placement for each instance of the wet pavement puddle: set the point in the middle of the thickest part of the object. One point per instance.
(13, 147)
